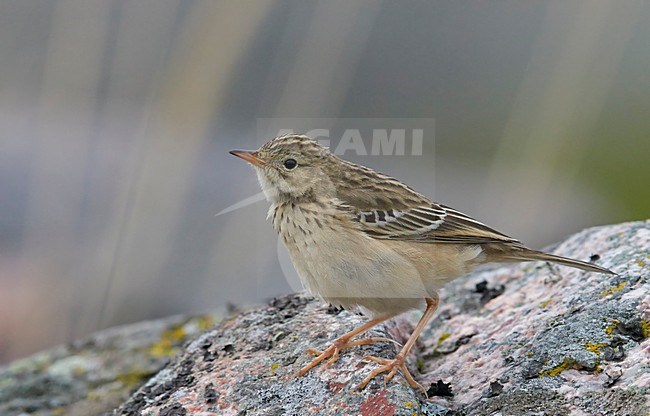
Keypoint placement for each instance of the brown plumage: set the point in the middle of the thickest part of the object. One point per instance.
(364, 240)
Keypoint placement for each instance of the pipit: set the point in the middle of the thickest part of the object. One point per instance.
(365, 241)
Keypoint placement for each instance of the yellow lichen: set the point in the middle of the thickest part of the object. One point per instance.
(133, 378)
(613, 289)
(609, 329)
(599, 368)
(205, 322)
(274, 367)
(545, 303)
(566, 364)
(441, 339)
(408, 404)
(640, 262)
(165, 347)
(95, 395)
(645, 329)
(596, 348)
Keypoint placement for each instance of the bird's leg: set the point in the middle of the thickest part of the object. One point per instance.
(392, 366)
(340, 344)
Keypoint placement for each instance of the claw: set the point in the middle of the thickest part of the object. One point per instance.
(333, 352)
(391, 367)
(334, 358)
(314, 351)
(373, 359)
(320, 357)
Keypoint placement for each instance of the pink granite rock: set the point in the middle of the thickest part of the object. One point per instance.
(246, 366)
(527, 339)
(549, 339)
(517, 340)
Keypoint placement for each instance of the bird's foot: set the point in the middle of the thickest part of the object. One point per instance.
(391, 367)
(332, 352)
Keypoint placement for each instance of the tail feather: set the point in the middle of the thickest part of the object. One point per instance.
(533, 255)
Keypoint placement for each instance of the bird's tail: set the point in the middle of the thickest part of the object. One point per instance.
(534, 255)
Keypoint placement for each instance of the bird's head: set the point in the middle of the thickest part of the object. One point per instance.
(292, 167)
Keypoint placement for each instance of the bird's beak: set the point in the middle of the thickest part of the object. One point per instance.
(248, 156)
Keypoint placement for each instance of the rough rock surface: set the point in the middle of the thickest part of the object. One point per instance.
(541, 339)
(245, 367)
(94, 375)
(516, 340)
(520, 339)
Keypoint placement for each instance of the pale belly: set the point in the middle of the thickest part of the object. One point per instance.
(350, 269)
(356, 272)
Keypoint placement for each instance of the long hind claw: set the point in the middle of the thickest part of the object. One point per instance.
(333, 352)
(391, 367)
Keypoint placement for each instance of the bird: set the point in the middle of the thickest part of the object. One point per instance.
(366, 242)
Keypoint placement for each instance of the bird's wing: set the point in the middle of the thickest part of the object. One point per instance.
(385, 208)
(432, 223)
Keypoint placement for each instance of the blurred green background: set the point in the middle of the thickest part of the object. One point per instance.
(116, 117)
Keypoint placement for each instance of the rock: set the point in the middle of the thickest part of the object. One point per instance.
(94, 375)
(246, 366)
(554, 340)
(520, 339)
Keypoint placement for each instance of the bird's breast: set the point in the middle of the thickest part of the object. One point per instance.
(318, 237)
(297, 224)
(344, 266)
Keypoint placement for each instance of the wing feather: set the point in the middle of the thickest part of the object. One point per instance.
(385, 208)
(434, 223)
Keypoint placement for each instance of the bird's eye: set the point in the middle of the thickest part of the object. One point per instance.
(290, 164)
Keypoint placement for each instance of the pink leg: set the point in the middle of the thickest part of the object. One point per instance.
(340, 344)
(392, 366)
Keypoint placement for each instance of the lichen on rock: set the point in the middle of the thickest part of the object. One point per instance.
(246, 366)
(581, 353)
(519, 339)
(94, 375)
